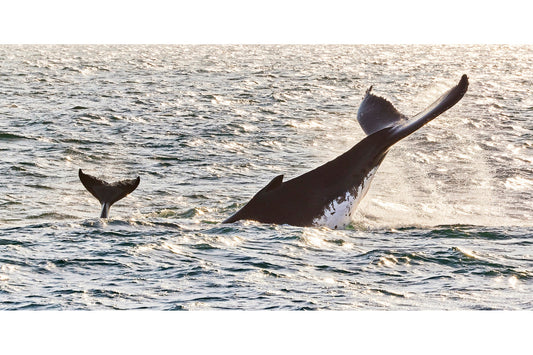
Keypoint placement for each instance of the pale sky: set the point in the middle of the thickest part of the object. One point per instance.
(274, 21)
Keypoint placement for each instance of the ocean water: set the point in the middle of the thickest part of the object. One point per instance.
(447, 223)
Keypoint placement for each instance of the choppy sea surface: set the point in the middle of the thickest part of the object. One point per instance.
(447, 223)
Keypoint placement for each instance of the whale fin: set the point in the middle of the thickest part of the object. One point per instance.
(376, 113)
(107, 193)
(273, 184)
(242, 213)
(442, 104)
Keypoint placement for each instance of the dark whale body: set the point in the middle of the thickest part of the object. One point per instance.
(329, 194)
(108, 193)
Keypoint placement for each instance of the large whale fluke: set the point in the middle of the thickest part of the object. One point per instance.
(376, 113)
(329, 194)
(108, 193)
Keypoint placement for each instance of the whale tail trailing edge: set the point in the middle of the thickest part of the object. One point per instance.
(107, 193)
(376, 113)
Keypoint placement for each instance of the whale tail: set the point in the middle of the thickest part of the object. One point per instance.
(107, 193)
(376, 113)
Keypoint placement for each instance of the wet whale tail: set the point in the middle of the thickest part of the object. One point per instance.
(107, 193)
(376, 113)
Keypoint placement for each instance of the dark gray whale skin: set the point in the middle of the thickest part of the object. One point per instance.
(302, 201)
(108, 193)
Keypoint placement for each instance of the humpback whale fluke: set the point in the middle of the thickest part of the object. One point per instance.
(107, 193)
(329, 194)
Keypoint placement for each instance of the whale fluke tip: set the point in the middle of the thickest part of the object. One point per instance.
(464, 82)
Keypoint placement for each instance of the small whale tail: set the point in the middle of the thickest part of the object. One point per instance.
(107, 193)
